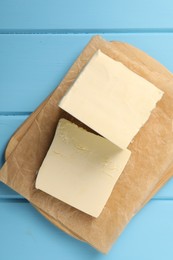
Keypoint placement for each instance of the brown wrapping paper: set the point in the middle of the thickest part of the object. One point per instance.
(148, 168)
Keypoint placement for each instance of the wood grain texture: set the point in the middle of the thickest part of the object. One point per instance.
(84, 16)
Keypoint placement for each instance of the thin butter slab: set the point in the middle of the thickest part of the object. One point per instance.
(81, 168)
(111, 99)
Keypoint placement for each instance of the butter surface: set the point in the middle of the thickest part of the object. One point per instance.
(81, 168)
(111, 99)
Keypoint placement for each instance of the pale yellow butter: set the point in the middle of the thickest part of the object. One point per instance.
(111, 99)
(81, 168)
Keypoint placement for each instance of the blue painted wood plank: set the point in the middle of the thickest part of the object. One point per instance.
(32, 65)
(7, 193)
(25, 234)
(8, 125)
(64, 15)
(166, 192)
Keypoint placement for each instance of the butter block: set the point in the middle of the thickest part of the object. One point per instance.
(81, 168)
(111, 99)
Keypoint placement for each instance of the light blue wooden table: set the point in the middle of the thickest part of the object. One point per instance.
(39, 41)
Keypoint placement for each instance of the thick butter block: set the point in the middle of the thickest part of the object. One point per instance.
(81, 168)
(111, 99)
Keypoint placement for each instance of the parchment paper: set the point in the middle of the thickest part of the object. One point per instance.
(150, 164)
